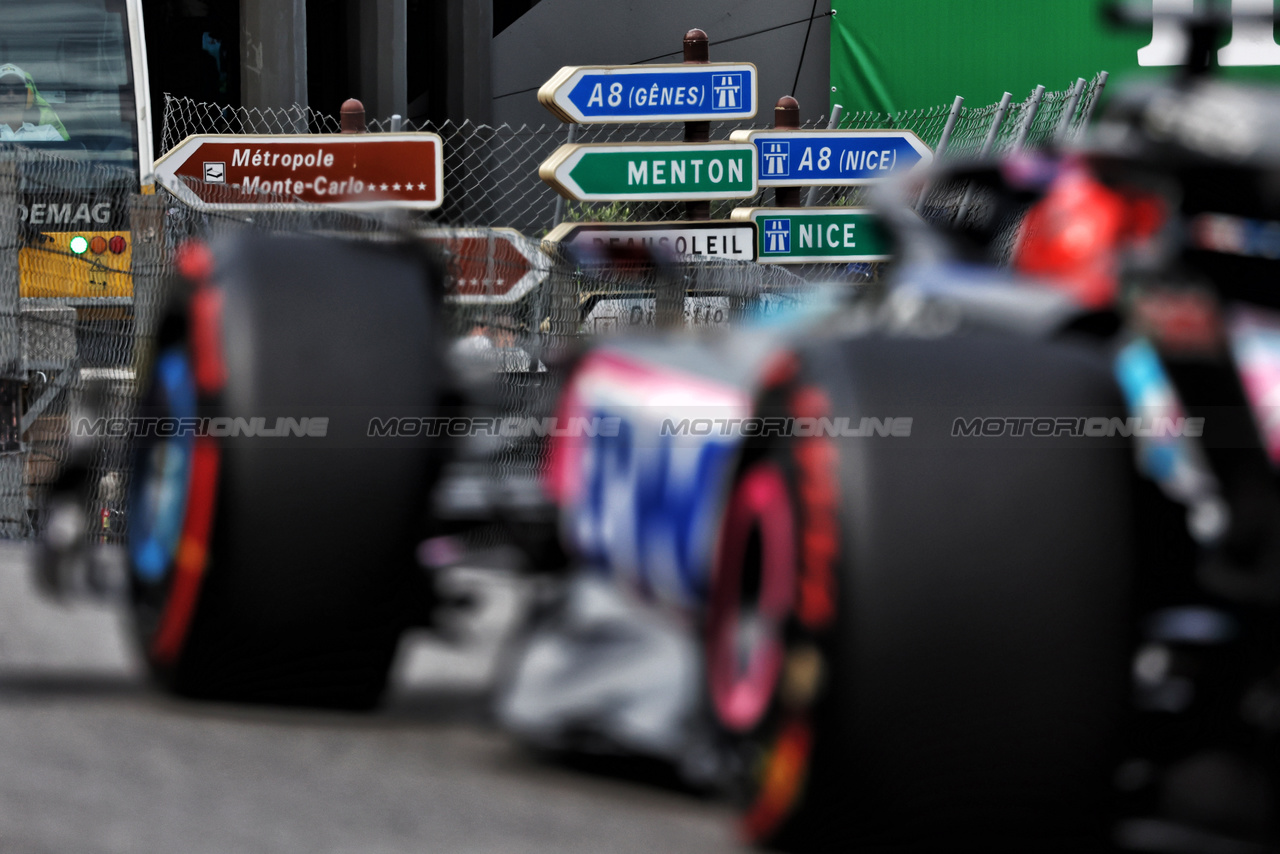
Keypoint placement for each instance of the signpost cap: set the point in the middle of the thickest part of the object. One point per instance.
(696, 46)
(786, 113)
(352, 116)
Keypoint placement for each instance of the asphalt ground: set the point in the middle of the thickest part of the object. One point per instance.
(92, 759)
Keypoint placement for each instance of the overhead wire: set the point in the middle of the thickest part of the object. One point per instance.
(804, 49)
(809, 20)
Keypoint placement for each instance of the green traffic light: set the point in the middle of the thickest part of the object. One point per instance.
(79, 244)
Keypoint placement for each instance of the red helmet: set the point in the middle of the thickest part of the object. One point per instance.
(1073, 236)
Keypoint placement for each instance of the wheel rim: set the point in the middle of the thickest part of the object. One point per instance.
(159, 501)
(173, 502)
(753, 594)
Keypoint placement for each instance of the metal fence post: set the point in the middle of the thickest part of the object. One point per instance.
(993, 132)
(697, 51)
(13, 492)
(987, 145)
(836, 111)
(1093, 101)
(352, 116)
(10, 243)
(786, 114)
(1033, 109)
(1069, 112)
(148, 269)
(952, 118)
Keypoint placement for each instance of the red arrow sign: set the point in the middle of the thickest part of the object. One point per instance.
(489, 265)
(248, 172)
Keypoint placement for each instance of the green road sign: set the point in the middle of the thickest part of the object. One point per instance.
(808, 235)
(673, 171)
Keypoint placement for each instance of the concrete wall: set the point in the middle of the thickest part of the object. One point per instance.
(381, 59)
(273, 52)
(470, 25)
(620, 32)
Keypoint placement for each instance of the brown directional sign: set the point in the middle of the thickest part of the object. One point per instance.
(245, 172)
(489, 265)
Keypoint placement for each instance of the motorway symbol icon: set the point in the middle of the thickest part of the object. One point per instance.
(728, 91)
(777, 236)
(775, 158)
(810, 158)
(652, 93)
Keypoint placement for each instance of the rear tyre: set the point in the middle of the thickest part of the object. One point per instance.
(919, 641)
(279, 569)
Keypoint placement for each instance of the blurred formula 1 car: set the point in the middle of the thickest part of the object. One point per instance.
(927, 589)
(906, 634)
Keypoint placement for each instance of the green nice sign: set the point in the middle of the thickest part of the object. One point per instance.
(608, 172)
(816, 235)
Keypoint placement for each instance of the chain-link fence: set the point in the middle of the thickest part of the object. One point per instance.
(68, 246)
(506, 342)
(491, 173)
(74, 350)
(76, 320)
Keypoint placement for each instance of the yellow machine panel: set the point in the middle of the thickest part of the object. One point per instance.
(51, 269)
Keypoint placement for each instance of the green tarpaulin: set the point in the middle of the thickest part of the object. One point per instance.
(893, 55)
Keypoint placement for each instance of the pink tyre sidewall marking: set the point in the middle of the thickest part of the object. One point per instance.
(761, 501)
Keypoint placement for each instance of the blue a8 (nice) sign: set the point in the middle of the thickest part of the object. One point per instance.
(652, 93)
(834, 157)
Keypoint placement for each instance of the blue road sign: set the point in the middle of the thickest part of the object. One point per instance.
(777, 236)
(652, 93)
(807, 158)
